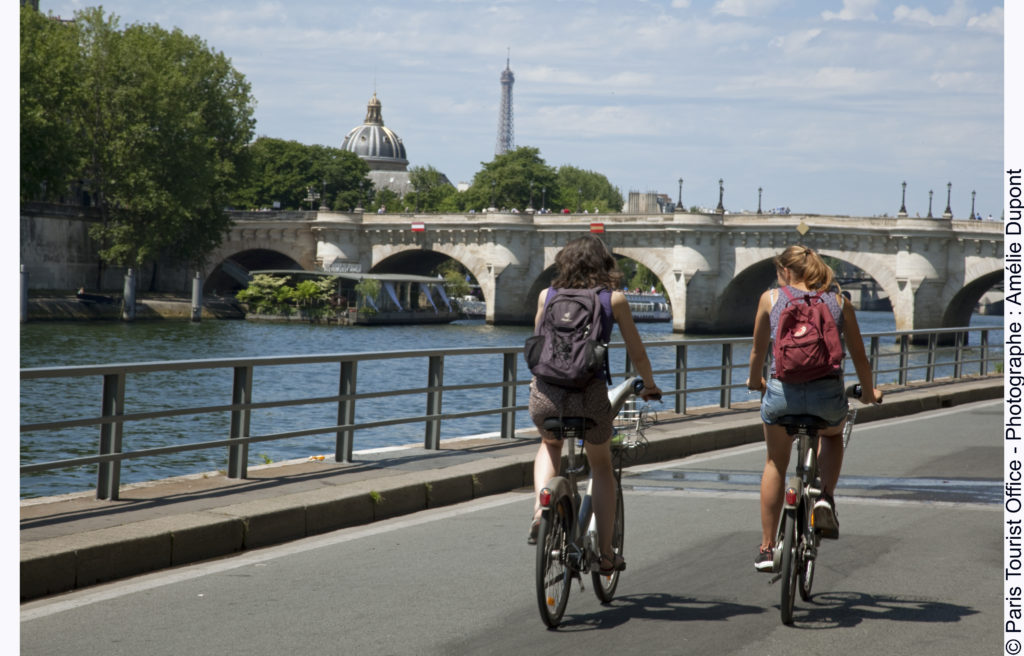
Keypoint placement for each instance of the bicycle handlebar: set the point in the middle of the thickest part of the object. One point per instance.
(854, 391)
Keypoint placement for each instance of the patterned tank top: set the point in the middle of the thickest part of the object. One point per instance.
(831, 300)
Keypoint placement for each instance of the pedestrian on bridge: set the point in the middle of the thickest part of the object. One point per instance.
(801, 271)
(586, 263)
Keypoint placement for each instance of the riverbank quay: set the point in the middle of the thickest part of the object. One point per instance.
(98, 307)
(75, 541)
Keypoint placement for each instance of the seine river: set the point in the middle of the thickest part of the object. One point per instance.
(78, 343)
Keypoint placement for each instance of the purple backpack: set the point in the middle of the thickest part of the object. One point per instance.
(567, 348)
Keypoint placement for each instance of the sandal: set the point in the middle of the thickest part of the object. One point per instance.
(615, 563)
(534, 527)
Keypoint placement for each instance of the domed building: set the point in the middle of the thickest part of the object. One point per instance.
(381, 148)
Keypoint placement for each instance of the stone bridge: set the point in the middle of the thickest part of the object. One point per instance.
(713, 267)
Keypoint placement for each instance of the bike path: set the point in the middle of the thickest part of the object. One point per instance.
(75, 541)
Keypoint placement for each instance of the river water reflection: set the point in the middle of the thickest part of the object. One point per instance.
(79, 343)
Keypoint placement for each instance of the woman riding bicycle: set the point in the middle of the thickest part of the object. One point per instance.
(802, 270)
(585, 263)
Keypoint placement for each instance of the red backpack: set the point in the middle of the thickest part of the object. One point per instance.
(807, 344)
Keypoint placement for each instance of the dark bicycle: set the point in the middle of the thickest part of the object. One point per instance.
(567, 544)
(798, 539)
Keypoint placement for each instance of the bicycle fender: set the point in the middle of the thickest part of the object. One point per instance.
(559, 486)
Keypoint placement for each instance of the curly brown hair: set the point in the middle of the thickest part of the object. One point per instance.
(585, 263)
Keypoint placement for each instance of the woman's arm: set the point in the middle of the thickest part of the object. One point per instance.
(762, 338)
(634, 345)
(855, 346)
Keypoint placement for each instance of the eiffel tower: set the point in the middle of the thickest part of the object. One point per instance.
(506, 135)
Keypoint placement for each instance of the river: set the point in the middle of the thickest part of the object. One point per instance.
(79, 343)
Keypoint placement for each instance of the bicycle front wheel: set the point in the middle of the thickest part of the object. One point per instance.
(553, 574)
(789, 574)
(604, 586)
(806, 553)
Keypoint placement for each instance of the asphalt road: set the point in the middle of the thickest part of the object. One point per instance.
(916, 571)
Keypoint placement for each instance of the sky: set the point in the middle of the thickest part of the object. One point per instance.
(826, 105)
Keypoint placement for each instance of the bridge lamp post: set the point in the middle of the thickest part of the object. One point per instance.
(972, 203)
(543, 198)
(579, 199)
(903, 203)
(759, 190)
(493, 183)
(679, 203)
(930, 192)
(721, 193)
(530, 208)
(948, 214)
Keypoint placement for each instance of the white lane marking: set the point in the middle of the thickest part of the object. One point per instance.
(34, 610)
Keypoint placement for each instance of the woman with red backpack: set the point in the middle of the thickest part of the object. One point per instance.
(803, 276)
(586, 263)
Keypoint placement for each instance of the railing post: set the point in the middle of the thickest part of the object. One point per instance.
(929, 375)
(904, 353)
(435, 378)
(241, 394)
(508, 394)
(874, 355)
(681, 379)
(983, 367)
(959, 357)
(725, 395)
(346, 412)
(108, 479)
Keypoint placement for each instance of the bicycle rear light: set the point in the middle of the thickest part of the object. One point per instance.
(790, 496)
(545, 498)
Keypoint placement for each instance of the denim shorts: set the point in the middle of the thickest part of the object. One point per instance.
(825, 398)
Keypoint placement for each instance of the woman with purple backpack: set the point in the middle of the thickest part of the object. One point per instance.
(802, 272)
(586, 263)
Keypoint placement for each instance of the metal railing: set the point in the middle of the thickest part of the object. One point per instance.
(700, 369)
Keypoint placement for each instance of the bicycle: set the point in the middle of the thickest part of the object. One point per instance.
(565, 550)
(798, 540)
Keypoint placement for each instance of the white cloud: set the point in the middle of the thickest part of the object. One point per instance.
(795, 41)
(853, 10)
(957, 15)
(990, 22)
(680, 4)
(744, 8)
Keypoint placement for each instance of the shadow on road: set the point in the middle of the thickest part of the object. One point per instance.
(846, 609)
(667, 607)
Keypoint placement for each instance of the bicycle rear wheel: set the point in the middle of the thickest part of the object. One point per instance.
(604, 586)
(804, 549)
(789, 575)
(553, 574)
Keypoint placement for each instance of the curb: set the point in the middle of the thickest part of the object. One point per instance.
(59, 564)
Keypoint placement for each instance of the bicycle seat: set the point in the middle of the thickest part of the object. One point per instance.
(794, 422)
(568, 426)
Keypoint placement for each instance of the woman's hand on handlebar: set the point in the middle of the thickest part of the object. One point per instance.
(651, 393)
(877, 394)
(757, 386)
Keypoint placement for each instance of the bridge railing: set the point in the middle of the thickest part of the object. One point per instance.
(703, 372)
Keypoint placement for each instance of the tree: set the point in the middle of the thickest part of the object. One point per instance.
(431, 191)
(160, 124)
(50, 67)
(282, 171)
(587, 190)
(510, 180)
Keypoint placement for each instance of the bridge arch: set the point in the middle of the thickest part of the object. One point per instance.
(232, 273)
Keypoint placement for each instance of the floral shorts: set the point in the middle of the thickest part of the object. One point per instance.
(547, 400)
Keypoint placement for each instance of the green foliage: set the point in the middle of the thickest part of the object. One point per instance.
(505, 182)
(154, 122)
(367, 288)
(587, 190)
(431, 191)
(268, 294)
(387, 199)
(285, 171)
